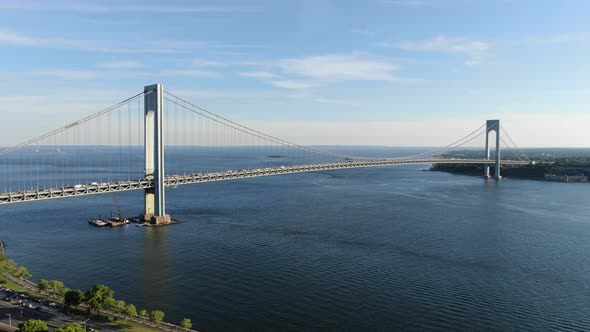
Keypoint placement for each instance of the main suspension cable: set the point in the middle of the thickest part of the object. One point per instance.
(76, 123)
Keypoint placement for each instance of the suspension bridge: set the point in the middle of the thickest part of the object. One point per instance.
(156, 140)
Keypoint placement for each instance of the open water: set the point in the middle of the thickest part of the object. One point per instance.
(374, 249)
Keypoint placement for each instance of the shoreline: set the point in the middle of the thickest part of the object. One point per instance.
(107, 317)
(535, 173)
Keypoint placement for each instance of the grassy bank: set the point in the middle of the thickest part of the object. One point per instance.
(15, 287)
(119, 324)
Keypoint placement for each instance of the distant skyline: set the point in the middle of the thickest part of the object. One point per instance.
(373, 72)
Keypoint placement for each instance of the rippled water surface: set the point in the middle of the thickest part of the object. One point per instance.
(365, 249)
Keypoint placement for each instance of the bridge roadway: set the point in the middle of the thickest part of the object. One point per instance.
(175, 180)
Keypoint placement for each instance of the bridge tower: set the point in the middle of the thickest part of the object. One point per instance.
(155, 197)
(493, 125)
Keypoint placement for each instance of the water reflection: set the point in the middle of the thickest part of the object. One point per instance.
(156, 267)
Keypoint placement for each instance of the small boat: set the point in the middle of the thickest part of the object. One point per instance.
(98, 223)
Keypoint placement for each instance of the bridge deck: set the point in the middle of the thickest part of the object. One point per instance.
(175, 180)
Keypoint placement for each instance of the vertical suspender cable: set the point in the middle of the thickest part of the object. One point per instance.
(120, 138)
(129, 139)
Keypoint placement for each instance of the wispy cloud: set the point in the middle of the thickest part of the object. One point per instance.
(130, 64)
(476, 50)
(67, 74)
(153, 47)
(258, 74)
(289, 84)
(340, 67)
(190, 73)
(14, 38)
(334, 101)
(460, 45)
(318, 70)
(207, 63)
(116, 6)
(21, 99)
(10, 37)
(237, 94)
(79, 74)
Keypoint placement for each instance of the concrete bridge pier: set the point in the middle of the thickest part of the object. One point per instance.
(492, 125)
(155, 197)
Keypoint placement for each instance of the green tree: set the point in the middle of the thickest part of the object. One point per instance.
(73, 297)
(71, 327)
(11, 266)
(7, 266)
(119, 306)
(43, 286)
(143, 313)
(3, 264)
(109, 303)
(156, 316)
(130, 310)
(97, 296)
(22, 273)
(33, 325)
(186, 324)
(56, 287)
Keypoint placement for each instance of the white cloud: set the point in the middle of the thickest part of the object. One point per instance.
(10, 37)
(288, 84)
(190, 73)
(121, 64)
(155, 47)
(317, 70)
(20, 99)
(27, 5)
(207, 63)
(240, 95)
(258, 74)
(475, 49)
(334, 101)
(340, 67)
(443, 44)
(14, 38)
(68, 74)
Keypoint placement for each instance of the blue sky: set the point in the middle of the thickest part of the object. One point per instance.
(383, 72)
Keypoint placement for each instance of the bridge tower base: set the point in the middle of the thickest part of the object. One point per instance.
(155, 197)
(493, 125)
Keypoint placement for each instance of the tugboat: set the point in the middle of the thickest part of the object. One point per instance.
(117, 221)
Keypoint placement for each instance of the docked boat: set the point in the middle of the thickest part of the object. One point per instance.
(98, 223)
(117, 221)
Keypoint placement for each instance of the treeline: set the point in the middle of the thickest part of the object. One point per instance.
(569, 166)
(523, 172)
(99, 297)
(560, 167)
(37, 325)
